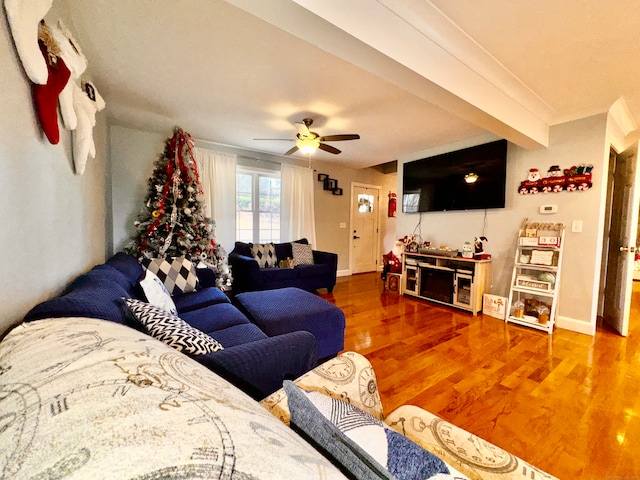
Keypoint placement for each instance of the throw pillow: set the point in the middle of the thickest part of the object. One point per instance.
(360, 443)
(302, 253)
(178, 274)
(156, 293)
(264, 254)
(171, 329)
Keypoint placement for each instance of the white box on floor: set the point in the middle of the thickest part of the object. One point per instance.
(494, 306)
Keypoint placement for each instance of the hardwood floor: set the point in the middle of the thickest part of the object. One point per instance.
(568, 403)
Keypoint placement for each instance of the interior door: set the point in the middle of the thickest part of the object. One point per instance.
(365, 207)
(622, 241)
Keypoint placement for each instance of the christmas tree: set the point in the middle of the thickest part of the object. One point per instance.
(172, 222)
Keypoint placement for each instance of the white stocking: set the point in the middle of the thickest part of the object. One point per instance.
(85, 109)
(24, 17)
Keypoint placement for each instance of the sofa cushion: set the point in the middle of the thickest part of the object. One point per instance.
(126, 264)
(238, 335)
(359, 442)
(156, 293)
(308, 271)
(264, 254)
(214, 317)
(277, 274)
(171, 329)
(178, 274)
(186, 302)
(302, 254)
(95, 294)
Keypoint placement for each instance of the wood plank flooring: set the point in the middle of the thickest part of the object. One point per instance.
(568, 403)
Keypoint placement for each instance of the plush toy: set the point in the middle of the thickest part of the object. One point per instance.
(86, 103)
(534, 175)
(477, 243)
(77, 63)
(45, 97)
(24, 17)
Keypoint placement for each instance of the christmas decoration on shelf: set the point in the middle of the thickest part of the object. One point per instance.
(173, 221)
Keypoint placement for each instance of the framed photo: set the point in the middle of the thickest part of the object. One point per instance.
(330, 183)
(322, 177)
(337, 191)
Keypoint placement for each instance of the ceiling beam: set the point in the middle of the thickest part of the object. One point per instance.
(413, 45)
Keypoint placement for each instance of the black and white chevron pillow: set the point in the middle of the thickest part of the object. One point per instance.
(171, 329)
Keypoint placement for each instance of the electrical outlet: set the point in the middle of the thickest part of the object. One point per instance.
(576, 226)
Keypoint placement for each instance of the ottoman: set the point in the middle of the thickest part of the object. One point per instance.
(289, 309)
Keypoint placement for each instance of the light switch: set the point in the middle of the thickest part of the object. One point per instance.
(576, 226)
(343, 225)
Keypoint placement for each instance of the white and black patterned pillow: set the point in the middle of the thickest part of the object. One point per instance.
(171, 329)
(178, 274)
(264, 254)
(156, 293)
(302, 253)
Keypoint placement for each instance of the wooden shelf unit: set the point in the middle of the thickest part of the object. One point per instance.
(536, 275)
(455, 281)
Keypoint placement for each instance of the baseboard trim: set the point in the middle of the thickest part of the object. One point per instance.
(343, 273)
(576, 325)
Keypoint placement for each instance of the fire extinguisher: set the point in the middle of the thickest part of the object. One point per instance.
(392, 204)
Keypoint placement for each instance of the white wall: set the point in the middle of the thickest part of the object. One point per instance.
(582, 141)
(53, 222)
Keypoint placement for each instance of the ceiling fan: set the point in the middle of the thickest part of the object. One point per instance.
(308, 142)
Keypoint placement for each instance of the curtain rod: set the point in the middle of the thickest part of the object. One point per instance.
(243, 149)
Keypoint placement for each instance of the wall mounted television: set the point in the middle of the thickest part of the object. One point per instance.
(438, 183)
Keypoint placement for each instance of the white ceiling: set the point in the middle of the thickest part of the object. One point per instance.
(407, 75)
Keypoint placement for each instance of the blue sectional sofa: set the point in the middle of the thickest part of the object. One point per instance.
(255, 362)
(249, 277)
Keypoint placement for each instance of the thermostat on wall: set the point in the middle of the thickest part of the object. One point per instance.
(548, 209)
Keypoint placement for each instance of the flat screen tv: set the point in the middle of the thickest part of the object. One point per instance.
(441, 182)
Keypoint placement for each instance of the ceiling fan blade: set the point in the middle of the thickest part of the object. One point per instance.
(293, 149)
(328, 148)
(303, 130)
(337, 138)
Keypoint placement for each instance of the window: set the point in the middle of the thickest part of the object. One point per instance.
(257, 205)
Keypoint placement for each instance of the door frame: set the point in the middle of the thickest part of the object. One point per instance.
(377, 239)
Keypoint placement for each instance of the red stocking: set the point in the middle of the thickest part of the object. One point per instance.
(45, 97)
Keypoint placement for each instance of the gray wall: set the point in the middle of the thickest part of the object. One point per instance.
(53, 222)
(581, 141)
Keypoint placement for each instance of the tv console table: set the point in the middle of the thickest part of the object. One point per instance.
(454, 281)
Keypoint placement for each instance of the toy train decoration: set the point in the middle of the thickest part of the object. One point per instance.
(570, 179)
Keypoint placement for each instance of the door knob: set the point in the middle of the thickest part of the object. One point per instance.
(628, 249)
(355, 237)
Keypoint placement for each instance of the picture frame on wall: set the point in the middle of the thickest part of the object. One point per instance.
(337, 191)
(330, 183)
(322, 177)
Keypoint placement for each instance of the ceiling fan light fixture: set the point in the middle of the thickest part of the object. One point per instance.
(470, 177)
(308, 146)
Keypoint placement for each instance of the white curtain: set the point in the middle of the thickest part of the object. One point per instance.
(297, 214)
(218, 177)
